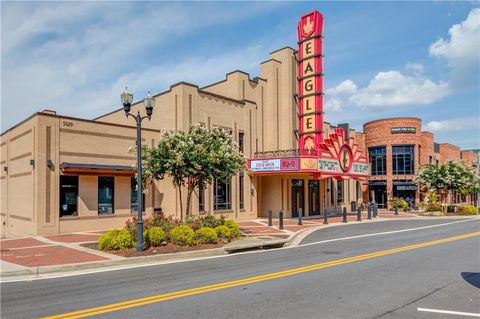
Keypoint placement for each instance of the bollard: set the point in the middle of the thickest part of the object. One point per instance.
(325, 217)
(280, 220)
(396, 210)
(369, 214)
(270, 216)
(375, 210)
(359, 214)
(344, 214)
(300, 215)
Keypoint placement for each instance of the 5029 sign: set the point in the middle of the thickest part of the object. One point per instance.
(67, 123)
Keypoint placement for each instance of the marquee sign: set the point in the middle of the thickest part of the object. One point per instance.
(334, 156)
(310, 81)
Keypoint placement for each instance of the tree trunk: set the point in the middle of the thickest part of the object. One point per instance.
(181, 201)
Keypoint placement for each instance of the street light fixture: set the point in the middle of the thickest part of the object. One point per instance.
(149, 102)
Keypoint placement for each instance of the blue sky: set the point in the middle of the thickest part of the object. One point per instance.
(382, 59)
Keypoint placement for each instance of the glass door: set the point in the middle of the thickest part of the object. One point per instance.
(297, 197)
(313, 197)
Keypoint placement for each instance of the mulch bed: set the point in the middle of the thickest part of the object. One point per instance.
(165, 249)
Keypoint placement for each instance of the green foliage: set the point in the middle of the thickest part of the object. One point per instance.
(399, 202)
(116, 239)
(466, 210)
(182, 235)
(155, 236)
(206, 235)
(431, 203)
(193, 158)
(223, 232)
(211, 221)
(157, 220)
(234, 229)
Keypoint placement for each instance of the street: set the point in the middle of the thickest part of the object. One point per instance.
(413, 269)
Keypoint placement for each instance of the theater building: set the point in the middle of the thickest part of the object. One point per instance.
(62, 174)
(396, 148)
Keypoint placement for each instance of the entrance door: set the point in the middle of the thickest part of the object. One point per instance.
(380, 193)
(297, 197)
(314, 197)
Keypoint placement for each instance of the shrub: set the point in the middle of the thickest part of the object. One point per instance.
(399, 202)
(466, 210)
(116, 239)
(432, 203)
(182, 235)
(155, 236)
(223, 232)
(435, 213)
(211, 221)
(206, 235)
(451, 208)
(157, 220)
(234, 229)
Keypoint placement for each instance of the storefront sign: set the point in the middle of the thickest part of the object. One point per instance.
(310, 80)
(289, 164)
(398, 130)
(329, 165)
(406, 187)
(265, 165)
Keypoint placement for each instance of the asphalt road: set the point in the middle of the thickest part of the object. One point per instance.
(393, 284)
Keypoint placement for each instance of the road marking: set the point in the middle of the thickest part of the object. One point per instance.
(448, 312)
(167, 262)
(249, 280)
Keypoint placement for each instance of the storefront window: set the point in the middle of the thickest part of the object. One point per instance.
(240, 190)
(339, 192)
(105, 194)
(201, 198)
(221, 195)
(134, 196)
(68, 196)
(378, 160)
(314, 197)
(240, 141)
(402, 160)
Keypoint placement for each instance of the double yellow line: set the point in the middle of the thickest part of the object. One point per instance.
(229, 284)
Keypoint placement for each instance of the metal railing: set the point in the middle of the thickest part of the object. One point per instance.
(291, 152)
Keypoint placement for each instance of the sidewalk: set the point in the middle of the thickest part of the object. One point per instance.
(62, 253)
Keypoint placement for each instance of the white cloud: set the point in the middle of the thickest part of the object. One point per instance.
(458, 124)
(388, 90)
(462, 49)
(416, 68)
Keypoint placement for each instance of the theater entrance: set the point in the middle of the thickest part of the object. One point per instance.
(298, 195)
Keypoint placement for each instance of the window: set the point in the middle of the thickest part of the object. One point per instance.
(241, 196)
(339, 192)
(221, 195)
(332, 194)
(240, 141)
(378, 160)
(68, 196)
(105, 194)
(134, 196)
(402, 159)
(201, 198)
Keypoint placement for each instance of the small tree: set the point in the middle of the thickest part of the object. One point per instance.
(193, 159)
(446, 178)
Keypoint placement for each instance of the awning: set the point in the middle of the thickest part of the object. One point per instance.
(96, 169)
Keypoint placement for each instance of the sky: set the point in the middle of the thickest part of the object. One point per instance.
(382, 59)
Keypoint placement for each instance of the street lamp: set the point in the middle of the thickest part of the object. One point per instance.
(149, 102)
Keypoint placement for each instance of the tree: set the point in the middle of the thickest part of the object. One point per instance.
(193, 159)
(446, 178)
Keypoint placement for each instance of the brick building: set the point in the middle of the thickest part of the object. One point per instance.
(396, 148)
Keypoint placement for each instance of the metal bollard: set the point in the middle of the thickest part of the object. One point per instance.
(396, 210)
(359, 214)
(300, 215)
(270, 217)
(280, 220)
(325, 217)
(375, 210)
(344, 214)
(369, 214)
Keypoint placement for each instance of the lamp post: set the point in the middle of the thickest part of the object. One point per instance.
(149, 102)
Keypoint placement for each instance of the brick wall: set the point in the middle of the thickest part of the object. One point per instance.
(449, 152)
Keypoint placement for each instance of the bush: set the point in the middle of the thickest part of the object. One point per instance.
(432, 203)
(182, 235)
(211, 221)
(206, 235)
(157, 220)
(116, 239)
(155, 236)
(223, 232)
(435, 213)
(234, 229)
(451, 208)
(466, 210)
(399, 202)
